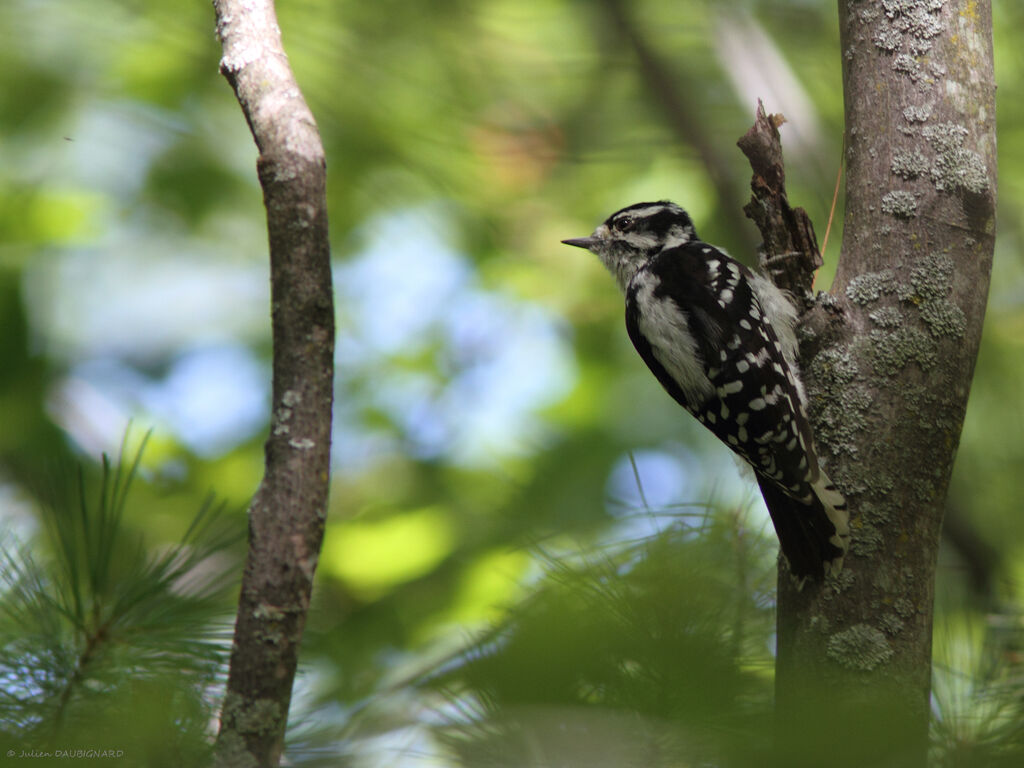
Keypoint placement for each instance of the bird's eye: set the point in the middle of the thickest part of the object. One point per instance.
(624, 224)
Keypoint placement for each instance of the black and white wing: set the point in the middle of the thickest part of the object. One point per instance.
(695, 316)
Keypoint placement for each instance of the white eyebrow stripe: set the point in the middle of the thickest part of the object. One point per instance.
(643, 213)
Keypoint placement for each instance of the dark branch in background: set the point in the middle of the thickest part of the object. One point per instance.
(286, 517)
(790, 250)
(681, 114)
(981, 561)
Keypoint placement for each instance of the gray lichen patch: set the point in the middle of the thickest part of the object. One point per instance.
(903, 607)
(262, 716)
(955, 166)
(839, 409)
(866, 540)
(917, 114)
(891, 350)
(928, 288)
(891, 624)
(909, 164)
(907, 65)
(932, 411)
(931, 282)
(870, 286)
(861, 647)
(914, 15)
(932, 278)
(907, 24)
(887, 317)
(902, 205)
(841, 582)
(944, 318)
(887, 38)
(880, 486)
(251, 717)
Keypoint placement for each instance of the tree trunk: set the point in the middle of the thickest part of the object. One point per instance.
(888, 360)
(286, 517)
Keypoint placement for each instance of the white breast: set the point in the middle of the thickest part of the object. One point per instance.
(663, 323)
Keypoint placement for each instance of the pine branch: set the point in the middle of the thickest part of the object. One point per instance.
(87, 626)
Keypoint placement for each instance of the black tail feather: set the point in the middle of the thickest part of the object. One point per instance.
(804, 532)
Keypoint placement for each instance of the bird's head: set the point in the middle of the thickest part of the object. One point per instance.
(632, 236)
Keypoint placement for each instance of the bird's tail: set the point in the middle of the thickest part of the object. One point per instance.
(814, 535)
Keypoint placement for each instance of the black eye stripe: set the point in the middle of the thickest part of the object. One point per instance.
(665, 220)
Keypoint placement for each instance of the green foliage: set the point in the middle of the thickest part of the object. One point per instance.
(645, 650)
(105, 643)
(979, 719)
(660, 651)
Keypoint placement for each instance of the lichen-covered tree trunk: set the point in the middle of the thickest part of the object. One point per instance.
(888, 358)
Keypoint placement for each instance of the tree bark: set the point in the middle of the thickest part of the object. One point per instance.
(286, 516)
(888, 359)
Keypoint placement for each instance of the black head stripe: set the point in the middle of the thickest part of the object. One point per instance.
(658, 218)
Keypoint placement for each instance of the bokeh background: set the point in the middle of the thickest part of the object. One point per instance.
(521, 521)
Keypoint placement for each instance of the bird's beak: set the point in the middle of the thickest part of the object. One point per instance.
(582, 242)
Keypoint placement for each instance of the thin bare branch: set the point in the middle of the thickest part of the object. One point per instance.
(286, 517)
